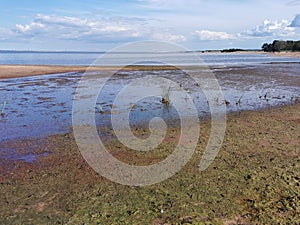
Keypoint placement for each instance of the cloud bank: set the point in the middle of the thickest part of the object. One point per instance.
(268, 28)
(109, 29)
(206, 35)
(112, 29)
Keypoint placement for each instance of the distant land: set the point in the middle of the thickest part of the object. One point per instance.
(91, 52)
(280, 45)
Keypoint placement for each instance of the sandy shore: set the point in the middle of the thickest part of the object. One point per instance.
(13, 71)
(286, 54)
(277, 54)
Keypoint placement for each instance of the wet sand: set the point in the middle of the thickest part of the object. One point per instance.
(14, 71)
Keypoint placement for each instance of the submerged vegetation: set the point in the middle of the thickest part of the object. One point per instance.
(165, 98)
(3, 108)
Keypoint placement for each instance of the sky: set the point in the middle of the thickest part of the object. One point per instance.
(100, 25)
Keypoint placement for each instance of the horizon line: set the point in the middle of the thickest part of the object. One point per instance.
(102, 52)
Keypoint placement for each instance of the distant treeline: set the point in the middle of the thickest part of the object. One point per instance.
(278, 46)
(232, 50)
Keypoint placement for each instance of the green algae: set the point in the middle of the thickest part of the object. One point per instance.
(254, 180)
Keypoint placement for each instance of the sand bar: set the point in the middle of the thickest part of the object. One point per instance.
(13, 71)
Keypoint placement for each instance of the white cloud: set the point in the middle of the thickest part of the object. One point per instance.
(271, 29)
(106, 29)
(29, 27)
(165, 36)
(268, 29)
(206, 35)
(72, 27)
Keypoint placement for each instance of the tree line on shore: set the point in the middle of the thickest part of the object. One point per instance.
(278, 46)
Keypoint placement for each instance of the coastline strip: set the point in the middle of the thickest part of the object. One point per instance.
(15, 71)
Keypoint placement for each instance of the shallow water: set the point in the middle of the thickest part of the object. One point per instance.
(42, 105)
(183, 58)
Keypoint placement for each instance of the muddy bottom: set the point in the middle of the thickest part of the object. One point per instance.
(42, 105)
(255, 179)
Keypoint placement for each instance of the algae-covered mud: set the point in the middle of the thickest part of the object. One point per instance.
(254, 180)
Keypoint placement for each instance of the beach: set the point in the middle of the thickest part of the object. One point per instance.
(253, 180)
(286, 54)
(149, 112)
(15, 71)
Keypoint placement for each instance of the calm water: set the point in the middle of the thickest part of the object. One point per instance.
(46, 58)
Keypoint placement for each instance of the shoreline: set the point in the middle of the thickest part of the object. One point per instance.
(286, 54)
(277, 54)
(15, 71)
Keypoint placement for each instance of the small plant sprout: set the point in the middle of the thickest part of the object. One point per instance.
(133, 106)
(187, 90)
(3, 107)
(165, 98)
(186, 97)
(239, 101)
(100, 109)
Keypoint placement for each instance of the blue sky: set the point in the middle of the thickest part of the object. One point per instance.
(98, 25)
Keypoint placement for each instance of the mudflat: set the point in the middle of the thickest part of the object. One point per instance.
(255, 179)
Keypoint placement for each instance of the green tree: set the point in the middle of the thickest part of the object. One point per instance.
(267, 47)
(279, 45)
(289, 45)
(296, 46)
